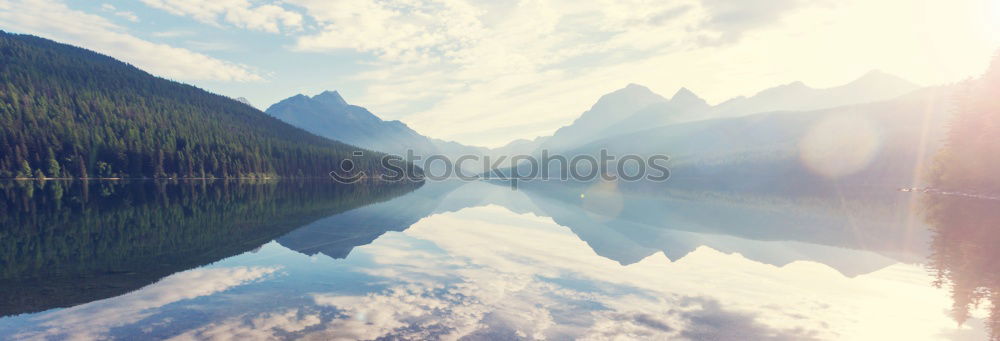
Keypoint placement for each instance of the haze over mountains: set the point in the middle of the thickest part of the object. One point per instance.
(635, 107)
(887, 143)
(187, 132)
(329, 115)
(624, 112)
(876, 131)
(610, 108)
(749, 136)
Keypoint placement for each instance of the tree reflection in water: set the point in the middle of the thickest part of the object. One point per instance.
(965, 254)
(67, 243)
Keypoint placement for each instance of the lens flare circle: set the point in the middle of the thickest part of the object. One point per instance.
(839, 146)
(602, 201)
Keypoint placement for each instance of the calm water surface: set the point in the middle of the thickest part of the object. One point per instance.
(227, 260)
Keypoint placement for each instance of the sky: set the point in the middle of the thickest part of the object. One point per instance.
(485, 72)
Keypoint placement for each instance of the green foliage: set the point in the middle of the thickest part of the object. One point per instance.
(66, 110)
(104, 170)
(25, 171)
(54, 169)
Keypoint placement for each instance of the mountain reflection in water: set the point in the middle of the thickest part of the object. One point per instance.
(480, 261)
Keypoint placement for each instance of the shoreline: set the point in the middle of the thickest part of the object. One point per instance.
(934, 191)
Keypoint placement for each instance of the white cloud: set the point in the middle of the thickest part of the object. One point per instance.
(265, 326)
(489, 273)
(128, 15)
(730, 19)
(486, 72)
(210, 46)
(496, 261)
(54, 20)
(240, 13)
(411, 32)
(172, 34)
(93, 320)
(493, 68)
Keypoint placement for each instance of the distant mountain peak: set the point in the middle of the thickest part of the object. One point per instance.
(397, 123)
(880, 77)
(243, 100)
(327, 114)
(632, 90)
(298, 98)
(632, 94)
(687, 100)
(790, 90)
(793, 86)
(797, 84)
(331, 97)
(876, 73)
(609, 109)
(685, 96)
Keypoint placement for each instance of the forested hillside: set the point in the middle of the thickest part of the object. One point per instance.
(965, 227)
(71, 112)
(969, 160)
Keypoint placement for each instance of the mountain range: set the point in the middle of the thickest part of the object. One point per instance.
(626, 112)
(152, 127)
(878, 130)
(636, 108)
(329, 115)
(888, 143)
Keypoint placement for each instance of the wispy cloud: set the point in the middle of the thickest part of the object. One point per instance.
(487, 72)
(461, 55)
(128, 15)
(210, 46)
(172, 34)
(728, 20)
(53, 19)
(240, 13)
(265, 326)
(93, 320)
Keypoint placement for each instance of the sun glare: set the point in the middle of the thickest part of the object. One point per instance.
(994, 19)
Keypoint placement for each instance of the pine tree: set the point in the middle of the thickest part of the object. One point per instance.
(81, 167)
(159, 173)
(25, 171)
(54, 169)
(966, 162)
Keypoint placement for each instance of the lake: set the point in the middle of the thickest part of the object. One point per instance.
(480, 260)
